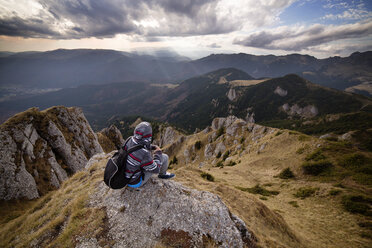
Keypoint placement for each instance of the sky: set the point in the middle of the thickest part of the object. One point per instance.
(193, 28)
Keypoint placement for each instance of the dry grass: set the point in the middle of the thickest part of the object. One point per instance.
(283, 220)
(56, 219)
(247, 82)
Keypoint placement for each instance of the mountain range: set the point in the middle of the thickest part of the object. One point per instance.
(70, 68)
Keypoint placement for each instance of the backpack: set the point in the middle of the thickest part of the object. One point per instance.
(114, 175)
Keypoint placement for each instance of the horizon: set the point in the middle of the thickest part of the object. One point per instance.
(195, 29)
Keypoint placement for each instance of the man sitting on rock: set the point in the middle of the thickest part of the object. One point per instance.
(141, 165)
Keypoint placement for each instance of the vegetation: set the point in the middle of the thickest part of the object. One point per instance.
(259, 190)
(174, 160)
(278, 133)
(305, 192)
(226, 155)
(207, 176)
(218, 154)
(231, 163)
(198, 145)
(220, 164)
(242, 139)
(315, 156)
(357, 204)
(294, 204)
(220, 132)
(316, 168)
(300, 150)
(286, 174)
(334, 192)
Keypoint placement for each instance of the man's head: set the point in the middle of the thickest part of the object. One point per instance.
(143, 133)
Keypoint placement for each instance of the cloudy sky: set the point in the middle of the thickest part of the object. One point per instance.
(193, 28)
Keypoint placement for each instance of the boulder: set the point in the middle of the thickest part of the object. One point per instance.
(164, 212)
(114, 135)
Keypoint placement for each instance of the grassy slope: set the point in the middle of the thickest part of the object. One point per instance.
(318, 221)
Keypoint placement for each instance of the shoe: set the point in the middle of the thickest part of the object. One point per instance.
(166, 175)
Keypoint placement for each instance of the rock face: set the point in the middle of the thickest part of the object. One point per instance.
(165, 212)
(308, 111)
(114, 135)
(40, 149)
(167, 136)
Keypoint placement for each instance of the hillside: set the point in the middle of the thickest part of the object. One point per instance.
(23, 72)
(320, 188)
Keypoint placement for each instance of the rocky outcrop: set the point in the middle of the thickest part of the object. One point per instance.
(114, 135)
(231, 94)
(166, 213)
(39, 149)
(167, 136)
(308, 111)
(281, 92)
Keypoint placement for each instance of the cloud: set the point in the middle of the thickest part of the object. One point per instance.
(214, 45)
(76, 19)
(297, 38)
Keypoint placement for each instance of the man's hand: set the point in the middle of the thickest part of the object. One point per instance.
(155, 148)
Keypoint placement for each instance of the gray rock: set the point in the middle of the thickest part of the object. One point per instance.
(346, 136)
(262, 147)
(220, 147)
(167, 136)
(55, 138)
(326, 136)
(231, 94)
(162, 208)
(208, 151)
(281, 92)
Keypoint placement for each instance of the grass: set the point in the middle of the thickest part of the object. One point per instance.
(315, 156)
(259, 190)
(357, 204)
(220, 132)
(278, 133)
(286, 174)
(219, 154)
(305, 192)
(316, 168)
(42, 223)
(207, 176)
(231, 163)
(300, 150)
(220, 164)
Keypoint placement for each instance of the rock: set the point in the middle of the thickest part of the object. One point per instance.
(231, 94)
(35, 145)
(168, 136)
(308, 111)
(114, 135)
(220, 147)
(233, 127)
(217, 123)
(164, 209)
(262, 147)
(208, 151)
(207, 130)
(346, 136)
(279, 91)
(326, 136)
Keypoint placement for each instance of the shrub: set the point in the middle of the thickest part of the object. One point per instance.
(226, 155)
(218, 154)
(207, 176)
(294, 204)
(286, 174)
(219, 164)
(174, 160)
(357, 204)
(220, 132)
(300, 150)
(315, 168)
(303, 138)
(198, 145)
(354, 160)
(305, 192)
(334, 192)
(315, 156)
(278, 133)
(259, 190)
(242, 139)
(231, 163)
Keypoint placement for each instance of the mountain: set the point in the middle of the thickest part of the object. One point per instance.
(70, 68)
(238, 184)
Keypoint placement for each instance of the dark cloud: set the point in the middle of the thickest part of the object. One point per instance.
(297, 39)
(16, 26)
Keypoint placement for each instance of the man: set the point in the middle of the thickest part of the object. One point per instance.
(141, 165)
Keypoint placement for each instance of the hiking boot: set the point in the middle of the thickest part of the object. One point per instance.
(166, 175)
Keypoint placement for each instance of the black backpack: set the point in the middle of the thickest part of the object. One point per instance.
(114, 175)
